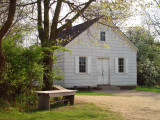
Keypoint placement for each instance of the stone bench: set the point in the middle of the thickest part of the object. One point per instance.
(44, 97)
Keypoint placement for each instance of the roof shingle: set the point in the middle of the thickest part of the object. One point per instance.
(66, 37)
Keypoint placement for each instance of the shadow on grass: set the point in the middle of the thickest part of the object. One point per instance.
(53, 105)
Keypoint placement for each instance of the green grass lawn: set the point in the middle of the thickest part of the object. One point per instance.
(76, 112)
(93, 93)
(140, 88)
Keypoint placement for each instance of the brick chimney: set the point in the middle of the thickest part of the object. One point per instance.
(70, 26)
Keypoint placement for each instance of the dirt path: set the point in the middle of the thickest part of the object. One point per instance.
(133, 105)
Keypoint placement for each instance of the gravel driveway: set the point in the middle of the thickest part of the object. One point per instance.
(132, 105)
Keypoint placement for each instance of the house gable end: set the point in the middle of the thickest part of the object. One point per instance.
(96, 36)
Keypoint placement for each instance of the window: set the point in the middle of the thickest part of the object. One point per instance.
(102, 35)
(121, 65)
(82, 64)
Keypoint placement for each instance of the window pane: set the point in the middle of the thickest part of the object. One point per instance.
(82, 64)
(102, 35)
(121, 64)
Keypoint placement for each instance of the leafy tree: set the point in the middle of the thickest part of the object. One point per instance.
(48, 32)
(23, 69)
(3, 30)
(148, 58)
(13, 13)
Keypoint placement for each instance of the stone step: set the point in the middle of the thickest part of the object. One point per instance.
(111, 88)
(108, 87)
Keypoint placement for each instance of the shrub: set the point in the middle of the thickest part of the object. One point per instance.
(23, 73)
(23, 69)
(148, 58)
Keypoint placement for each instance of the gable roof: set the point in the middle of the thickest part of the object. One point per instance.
(67, 36)
(124, 36)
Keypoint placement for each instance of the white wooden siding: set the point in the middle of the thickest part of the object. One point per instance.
(60, 65)
(117, 49)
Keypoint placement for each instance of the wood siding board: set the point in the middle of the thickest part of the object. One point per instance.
(116, 50)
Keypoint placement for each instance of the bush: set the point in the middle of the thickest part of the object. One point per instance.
(23, 69)
(26, 102)
(148, 57)
(23, 73)
(5, 105)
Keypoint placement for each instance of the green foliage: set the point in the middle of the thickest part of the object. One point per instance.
(56, 73)
(22, 102)
(23, 70)
(26, 102)
(23, 73)
(152, 89)
(56, 102)
(148, 58)
(112, 10)
(5, 105)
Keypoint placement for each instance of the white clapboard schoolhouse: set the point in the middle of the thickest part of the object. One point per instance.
(101, 55)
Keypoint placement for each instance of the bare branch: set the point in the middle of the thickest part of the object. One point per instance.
(75, 17)
(66, 16)
(46, 19)
(40, 27)
(55, 19)
(22, 5)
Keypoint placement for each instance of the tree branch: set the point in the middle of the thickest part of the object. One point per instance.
(72, 7)
(23, 5)
(8, 23)
(46, 19)
(66, 16)
(55, 20)
(40, 27)
(75, 17)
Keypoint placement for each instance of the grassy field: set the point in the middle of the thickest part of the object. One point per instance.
(147, 89)
(76, 112)
(93, 93)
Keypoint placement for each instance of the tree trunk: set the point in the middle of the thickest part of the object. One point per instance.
(4, 29)
(47, 75)
(49, 40)
(2, 58)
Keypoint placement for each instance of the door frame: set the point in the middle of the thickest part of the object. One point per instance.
(108, 67)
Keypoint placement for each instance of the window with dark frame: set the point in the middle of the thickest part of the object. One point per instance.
(102, 36)
(82, 64)
(121, 65)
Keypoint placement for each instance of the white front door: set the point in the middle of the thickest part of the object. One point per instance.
(103, 71)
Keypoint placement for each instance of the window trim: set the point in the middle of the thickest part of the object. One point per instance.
(126, 65)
